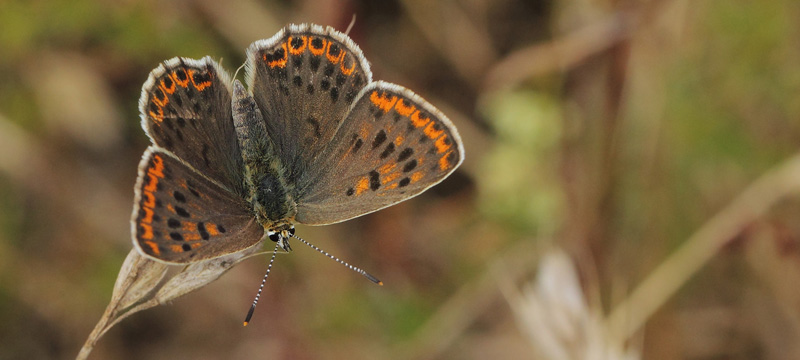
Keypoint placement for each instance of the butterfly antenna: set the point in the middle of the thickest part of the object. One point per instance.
(334, 258)
(350, 27)
(237, 71)
(261, 288)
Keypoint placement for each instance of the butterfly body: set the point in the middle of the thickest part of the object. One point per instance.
(314, 141)
(270, 195)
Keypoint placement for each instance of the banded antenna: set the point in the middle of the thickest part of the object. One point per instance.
(323, 252)
(261, 288)
(334, 258)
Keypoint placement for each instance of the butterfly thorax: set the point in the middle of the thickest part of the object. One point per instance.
(265, 181)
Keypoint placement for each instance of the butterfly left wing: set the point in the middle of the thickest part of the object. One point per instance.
(391, 146)
(186, 109)
(180, 216)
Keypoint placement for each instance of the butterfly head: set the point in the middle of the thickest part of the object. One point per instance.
(280, 235)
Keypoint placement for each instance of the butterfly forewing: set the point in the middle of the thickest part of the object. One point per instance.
(185, 107)
(304, 79)
(180, 216)
(391, 146)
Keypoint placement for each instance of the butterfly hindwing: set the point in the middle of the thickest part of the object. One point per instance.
(180, 216)
(391, 146)
(185, 109)
(304, 79)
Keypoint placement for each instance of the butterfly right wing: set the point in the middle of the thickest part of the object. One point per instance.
(391, 146)
(304, 79)
(180, 216)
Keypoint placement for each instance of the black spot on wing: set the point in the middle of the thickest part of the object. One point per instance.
(374, 180)
(182, 212)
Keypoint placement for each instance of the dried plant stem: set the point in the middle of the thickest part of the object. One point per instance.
(632, 313)
(562, 53)
(138, 280)
(143, 283)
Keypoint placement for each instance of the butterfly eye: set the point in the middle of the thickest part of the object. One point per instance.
(274, 236)
(291, 231)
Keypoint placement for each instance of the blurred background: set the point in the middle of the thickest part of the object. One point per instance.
(629, 190)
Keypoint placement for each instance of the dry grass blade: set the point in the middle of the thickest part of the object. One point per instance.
(141, 284)
(630, 315)
(454, 317)
(557, 318)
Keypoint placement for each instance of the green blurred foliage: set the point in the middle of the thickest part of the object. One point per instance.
(519, 184)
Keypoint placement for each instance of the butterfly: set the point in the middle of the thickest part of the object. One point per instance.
(312, 140)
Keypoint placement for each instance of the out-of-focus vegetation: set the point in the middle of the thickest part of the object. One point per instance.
(656, 142)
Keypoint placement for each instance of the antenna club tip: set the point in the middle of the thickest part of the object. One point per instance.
(249, 314)
(380, 283)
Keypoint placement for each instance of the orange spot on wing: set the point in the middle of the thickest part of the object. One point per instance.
(212, 229)
(404, 110)
(151, 185)
(148, 232)
(196, 245)
(444, 162)
(191, 236)
(297, 50)
(202, 86)
(158, 101)
(364, 131)
(387, 168)
(317, 51)
(363, 185)
(183, 83)
(431, 132)
(176, 248)
(416, 176)
(158, 117)
(153, 247)
(170, 89)
(417, 120)
(199, 86)
(158, 166)
(442, 145)
(389, 178)
(148, 215)
(282, 61)
(188, 226)
(334, 59)
(348, 71)
(149, 201)
(399, 140)
(382, 100)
